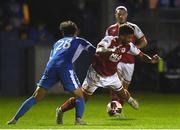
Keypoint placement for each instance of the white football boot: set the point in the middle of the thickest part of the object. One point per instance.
(133, 103)
(12, 122)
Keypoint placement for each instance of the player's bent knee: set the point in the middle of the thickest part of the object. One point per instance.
(78, 93)
(72, 100)
(39, 94)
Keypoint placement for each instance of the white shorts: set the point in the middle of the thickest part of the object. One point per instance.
(93, 80)
(125, 71)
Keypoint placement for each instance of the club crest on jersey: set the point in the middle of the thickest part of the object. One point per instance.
(123, 50)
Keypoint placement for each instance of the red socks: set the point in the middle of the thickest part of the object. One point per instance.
(114, 97)
(68, 105)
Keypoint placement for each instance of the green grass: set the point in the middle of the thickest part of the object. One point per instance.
(156, 111)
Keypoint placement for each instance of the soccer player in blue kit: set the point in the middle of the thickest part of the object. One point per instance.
(60, 68)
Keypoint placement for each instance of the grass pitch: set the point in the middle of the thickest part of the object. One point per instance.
(156, 111)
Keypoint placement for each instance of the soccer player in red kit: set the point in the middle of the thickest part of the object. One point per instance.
(126, 64)
(103, 70)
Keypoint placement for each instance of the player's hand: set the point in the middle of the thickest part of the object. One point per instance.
(155, 59)
(118, 50)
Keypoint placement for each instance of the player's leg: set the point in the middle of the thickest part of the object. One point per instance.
(66, 106)
(47, 81)
(79, 106)
(124, 95)
(125, 86)
(71, 83)
(88, 89)
(113, 94)
(125, 73)
(27, 104)
(70, 103)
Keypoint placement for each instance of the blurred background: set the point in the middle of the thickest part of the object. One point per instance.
(28, 29)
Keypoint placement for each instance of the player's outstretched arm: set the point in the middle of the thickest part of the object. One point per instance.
(146, 58)
(102, 49)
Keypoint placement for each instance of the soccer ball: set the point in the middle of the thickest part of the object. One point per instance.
(114, 108)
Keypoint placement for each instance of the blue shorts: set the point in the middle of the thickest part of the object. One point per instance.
(67, 77)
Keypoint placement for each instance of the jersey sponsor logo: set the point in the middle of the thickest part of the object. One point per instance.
(115, 57)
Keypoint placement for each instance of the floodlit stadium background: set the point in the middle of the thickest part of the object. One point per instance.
(28, 28)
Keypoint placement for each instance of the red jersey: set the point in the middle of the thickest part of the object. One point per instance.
(105, 63)
(113, 30)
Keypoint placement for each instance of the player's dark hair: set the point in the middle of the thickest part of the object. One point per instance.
(125, 30)
(68, 28)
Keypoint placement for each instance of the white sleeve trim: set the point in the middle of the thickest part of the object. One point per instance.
(106, 41)
(133, 49)
(137, 31)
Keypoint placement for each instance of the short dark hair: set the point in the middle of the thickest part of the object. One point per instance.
(125, 29)
(68, 28)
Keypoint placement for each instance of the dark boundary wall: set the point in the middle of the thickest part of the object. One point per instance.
(22, 64)
(13, 65)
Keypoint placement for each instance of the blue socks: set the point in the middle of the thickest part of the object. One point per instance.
(25, 107)
(79, 105)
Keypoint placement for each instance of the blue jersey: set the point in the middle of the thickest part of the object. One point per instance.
(66, 50)
(60, 64)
